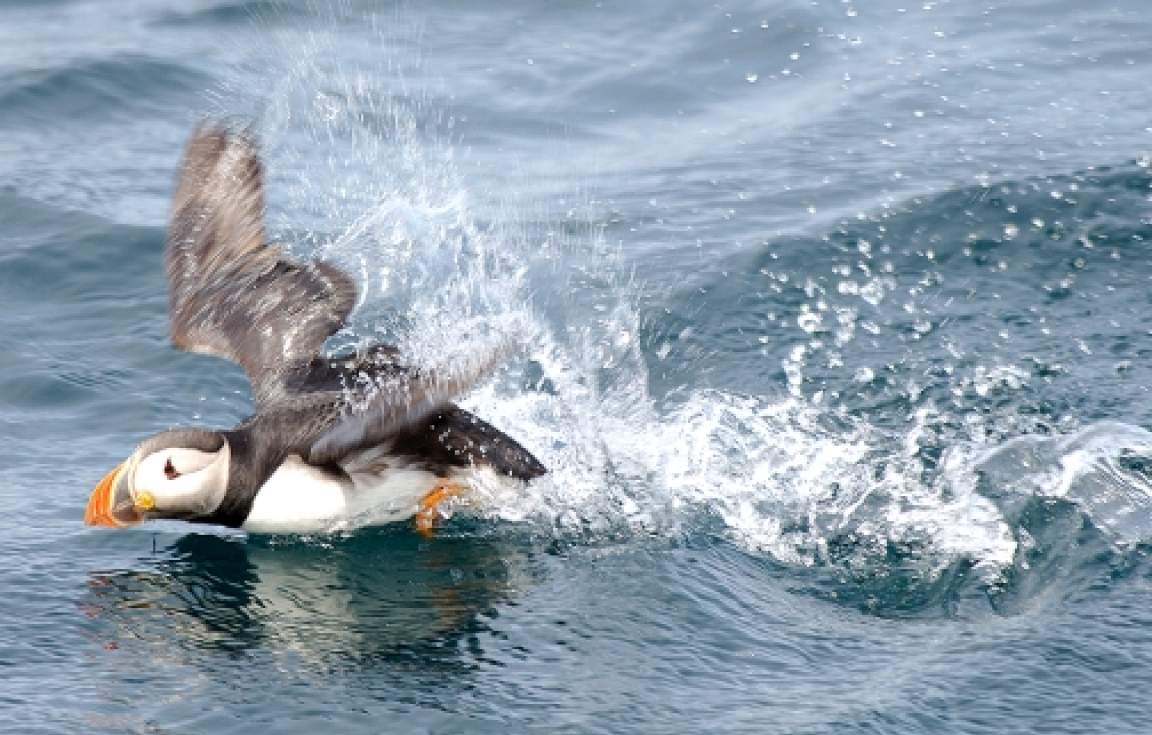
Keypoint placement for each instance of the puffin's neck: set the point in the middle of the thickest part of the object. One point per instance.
(253, 460)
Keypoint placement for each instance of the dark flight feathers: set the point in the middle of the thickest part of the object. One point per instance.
(233, 295)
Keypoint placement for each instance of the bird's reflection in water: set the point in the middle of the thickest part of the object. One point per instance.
(377, 596)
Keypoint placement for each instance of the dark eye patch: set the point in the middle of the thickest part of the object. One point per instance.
(170, 471)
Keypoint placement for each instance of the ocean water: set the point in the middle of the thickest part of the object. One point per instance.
(834, 327)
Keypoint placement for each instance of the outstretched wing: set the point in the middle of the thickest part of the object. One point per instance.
(230, 293)
(234, 296)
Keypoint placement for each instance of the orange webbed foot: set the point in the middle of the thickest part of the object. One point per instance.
(429, 511)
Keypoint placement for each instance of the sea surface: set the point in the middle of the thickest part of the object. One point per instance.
(835, 327)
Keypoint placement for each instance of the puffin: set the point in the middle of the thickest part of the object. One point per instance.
(335, 443)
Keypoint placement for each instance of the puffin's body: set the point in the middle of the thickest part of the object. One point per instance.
(335, 442)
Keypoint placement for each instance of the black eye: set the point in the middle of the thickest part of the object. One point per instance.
(170, 471)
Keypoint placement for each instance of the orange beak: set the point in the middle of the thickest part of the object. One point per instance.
(104, 509)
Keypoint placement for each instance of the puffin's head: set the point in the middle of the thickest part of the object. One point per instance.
(174, 474)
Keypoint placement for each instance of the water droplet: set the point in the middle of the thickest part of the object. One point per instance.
(809, 321)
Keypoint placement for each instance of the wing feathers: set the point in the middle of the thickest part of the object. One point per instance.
(381, 405)
(233, 295)
(230, 294)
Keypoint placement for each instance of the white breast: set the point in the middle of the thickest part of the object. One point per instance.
(299, 498)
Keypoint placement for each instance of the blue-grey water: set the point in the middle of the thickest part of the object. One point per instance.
(836, 333)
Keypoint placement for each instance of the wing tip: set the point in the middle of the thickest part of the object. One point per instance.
(220, 157)
(219, 196)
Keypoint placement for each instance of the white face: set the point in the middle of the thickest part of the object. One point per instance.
(181, 480)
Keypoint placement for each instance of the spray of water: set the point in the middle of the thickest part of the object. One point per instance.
(367, 161)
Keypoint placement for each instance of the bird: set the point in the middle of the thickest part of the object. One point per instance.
(360, 438)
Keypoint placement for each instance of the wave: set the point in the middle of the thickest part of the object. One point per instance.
(264, 12)
(874, 430)
(79, 256)
(96, 89)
